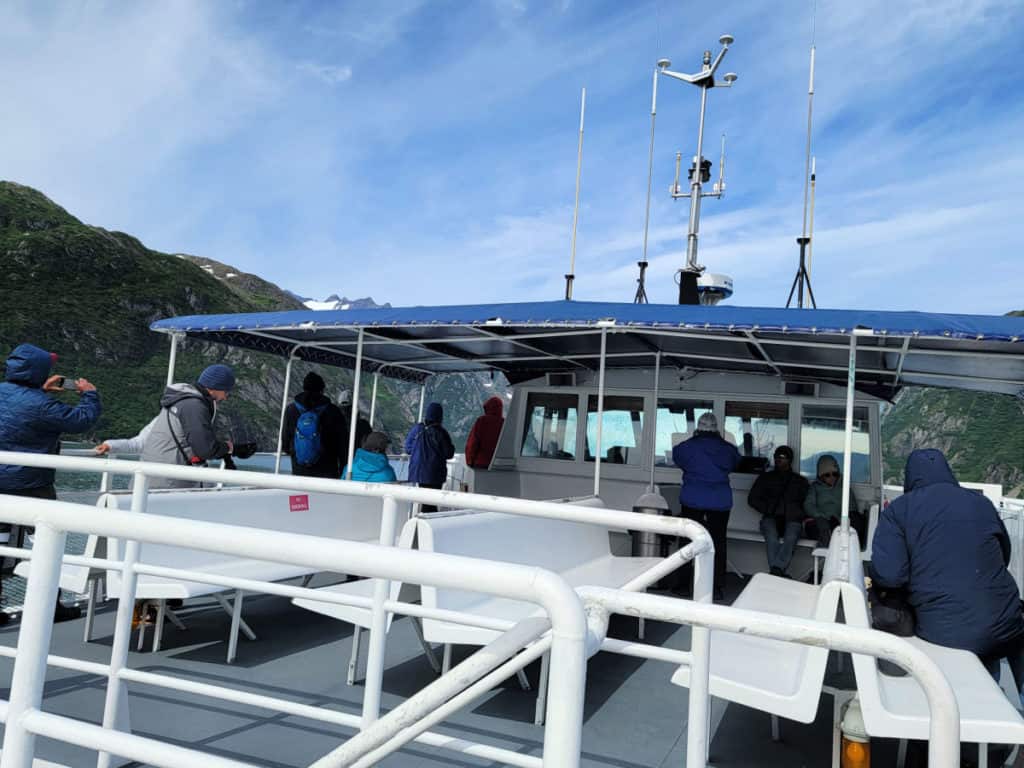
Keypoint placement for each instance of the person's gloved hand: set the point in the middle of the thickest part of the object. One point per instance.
(244, 450)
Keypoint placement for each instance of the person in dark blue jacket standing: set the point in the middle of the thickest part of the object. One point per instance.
(706, 496)
(429, 447)
(32, 422)
(948, 548)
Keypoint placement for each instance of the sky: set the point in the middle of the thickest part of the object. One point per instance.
(425, 152)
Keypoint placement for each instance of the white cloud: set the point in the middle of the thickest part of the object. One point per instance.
(327, 73)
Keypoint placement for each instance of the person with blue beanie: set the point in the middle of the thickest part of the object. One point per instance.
(183, 432)
(429, 447)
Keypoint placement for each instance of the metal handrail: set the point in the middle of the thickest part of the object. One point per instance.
(52, 519)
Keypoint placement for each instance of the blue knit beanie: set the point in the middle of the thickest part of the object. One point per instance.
(218, 376)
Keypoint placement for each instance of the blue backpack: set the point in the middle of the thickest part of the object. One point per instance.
(306, 445)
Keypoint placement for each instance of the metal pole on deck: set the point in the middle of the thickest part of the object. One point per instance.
(851, 381)
(355, 406)
(600, 414)
(423, 397)
(284, 407)
(175, 338)
(654, 431)
(373, 398)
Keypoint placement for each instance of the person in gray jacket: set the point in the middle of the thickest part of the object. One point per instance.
(182, 433)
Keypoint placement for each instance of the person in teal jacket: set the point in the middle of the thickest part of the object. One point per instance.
(370, 464)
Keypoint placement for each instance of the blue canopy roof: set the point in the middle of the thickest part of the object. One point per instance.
(525, 340)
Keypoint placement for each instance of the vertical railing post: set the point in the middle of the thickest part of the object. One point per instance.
(353, 422)
(172, 361)
(284, 408)
(33, 645)
(378, 620)
(851, 381)
(654, 426)
(423, 397)
(373, 399)
(598, 448)
(699, 712)
(117, 693)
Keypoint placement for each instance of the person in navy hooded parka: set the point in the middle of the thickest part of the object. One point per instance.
(947, 546)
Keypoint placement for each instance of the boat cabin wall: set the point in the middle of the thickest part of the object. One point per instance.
(546, 446)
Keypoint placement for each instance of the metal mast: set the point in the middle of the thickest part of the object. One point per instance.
(576, 208)
(700, 170)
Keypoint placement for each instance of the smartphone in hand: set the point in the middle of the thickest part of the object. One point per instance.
(70, 383)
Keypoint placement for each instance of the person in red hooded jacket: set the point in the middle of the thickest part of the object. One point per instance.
(483, 438)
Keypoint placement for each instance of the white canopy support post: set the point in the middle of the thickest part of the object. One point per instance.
(355, 406)
(284, 407)
(175, 338)
(423, 397)
(654, 430)
(373, 398)
(600, 413)
(851, 381)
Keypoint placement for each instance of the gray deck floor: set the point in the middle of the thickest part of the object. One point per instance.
(634, 716)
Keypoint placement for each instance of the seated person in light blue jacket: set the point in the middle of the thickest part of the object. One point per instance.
(370, 464)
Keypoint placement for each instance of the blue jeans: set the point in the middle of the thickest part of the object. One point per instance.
(779, 548)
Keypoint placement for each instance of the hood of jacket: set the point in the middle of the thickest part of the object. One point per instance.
(311, 399)
(435, 413)
(175, 393)
(28, 364)
(493, 406)
(926, 466)
(368, 461)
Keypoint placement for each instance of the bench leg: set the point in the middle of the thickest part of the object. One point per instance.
(246, 629)
(901, 754)
(175, 619)
(446, 659)
(983, 756)
(640, 628)
(524, 683)
(158, 630)
(816, 578)
(236, 620)
(776, 728)
(417, 626)
(90, 609)
(542, 690)
(353, 661)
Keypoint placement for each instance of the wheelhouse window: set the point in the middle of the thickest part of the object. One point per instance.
(676, 421)
(756, 429)
(621, 432)
(550, 430)
(822, 430)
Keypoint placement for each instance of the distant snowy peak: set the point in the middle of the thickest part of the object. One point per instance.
(340, 302)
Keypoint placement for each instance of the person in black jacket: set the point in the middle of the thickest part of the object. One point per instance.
(332, 430)
(947, 546)
(779, 496)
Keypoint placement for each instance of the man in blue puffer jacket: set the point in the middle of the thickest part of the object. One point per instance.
(429, 447)
(32, 422)
(706, 495)
(947, 546)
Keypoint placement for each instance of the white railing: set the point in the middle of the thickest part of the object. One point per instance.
(566, 638)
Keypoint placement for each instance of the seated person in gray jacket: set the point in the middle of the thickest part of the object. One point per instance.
(823, 506)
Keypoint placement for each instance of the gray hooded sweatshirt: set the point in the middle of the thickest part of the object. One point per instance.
(183, 433)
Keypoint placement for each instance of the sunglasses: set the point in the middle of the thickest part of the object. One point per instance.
(829, 474)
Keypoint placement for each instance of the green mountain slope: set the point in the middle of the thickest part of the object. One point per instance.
(90, 295)
(981, 434)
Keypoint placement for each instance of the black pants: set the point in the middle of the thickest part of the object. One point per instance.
(47, 492)
(820, 529)
(436, 487)
(717, 523)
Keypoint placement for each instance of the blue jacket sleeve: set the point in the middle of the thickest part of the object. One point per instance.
(60, 417)
(410, 439)
(890, 562)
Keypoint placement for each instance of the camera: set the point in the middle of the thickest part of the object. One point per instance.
(70, 383)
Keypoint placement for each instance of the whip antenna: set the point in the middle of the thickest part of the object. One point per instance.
(641, 291)
(576, 208)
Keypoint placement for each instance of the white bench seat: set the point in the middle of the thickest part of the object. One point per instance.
(774, 676)
(896, 707)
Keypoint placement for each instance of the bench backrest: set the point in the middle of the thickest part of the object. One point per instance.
(557, 545)
(316, 514)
